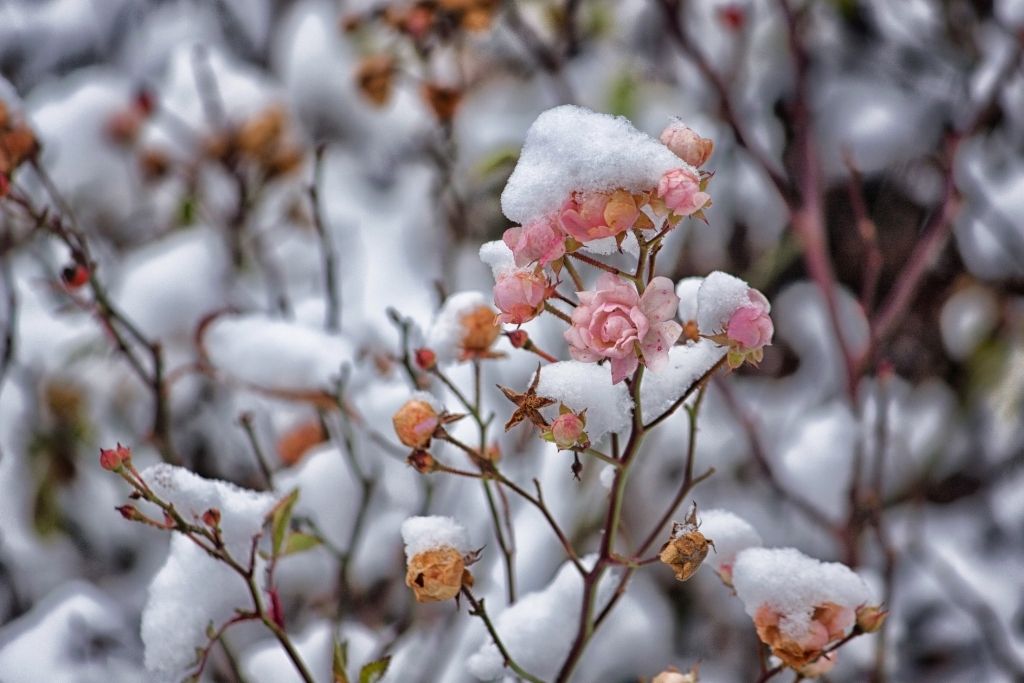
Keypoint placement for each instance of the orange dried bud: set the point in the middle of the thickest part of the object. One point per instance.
(211, 518)
(415, 423)
(153, 164)
(375, 76)
(870, 618)
(425, 359)
(298, 440)
(691, 331)
(437, 575)
(442, 100)
(686, 548)
(259, 136)
(480, 330)
(284, 160)
(17, 144)
(115, 458)
(422, 462)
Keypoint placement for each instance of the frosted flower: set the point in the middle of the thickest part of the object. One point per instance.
(613, 319)
(520, 295)
(566, 430)
(540, 241)
(415, 423)
(435, 549)
(686, 144)
(680, 190)
(749, 330)
(686, 548)
(480, 329)
(590, 216)
(733, 314)
(829, 623)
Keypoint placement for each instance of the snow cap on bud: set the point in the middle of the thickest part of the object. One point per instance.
(113, 459)
(566, 431)
(686, 548)
(415, 422)
(437, 552)
(674, 675)
(425, 358)
(686, 144)
(870, 618)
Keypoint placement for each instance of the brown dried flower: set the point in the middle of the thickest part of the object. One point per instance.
(415, 423)
(686, 548)
(437, 574)
(480, 330)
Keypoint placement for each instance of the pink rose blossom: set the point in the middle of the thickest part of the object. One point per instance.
(750, 327)
(686, 144)
(594, 215)
(680, 189)
(520, 295)
(540, 241)
(613, 318)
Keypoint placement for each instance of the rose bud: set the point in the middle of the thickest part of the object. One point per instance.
(686, 144)
(425, 358)
(415, 423)
(870, 618)
(686, 548)
(74, 275)
(480, 329)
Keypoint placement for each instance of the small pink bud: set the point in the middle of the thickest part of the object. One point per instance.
(870, 618)
(750, 327)
(422, 462)
(567, 430)
(538, 242)
(686, 144)
(113, 459)
(129, 512)
(680, 189)
(425, 358)
(211, 518)
(520, 295)
(517, 338)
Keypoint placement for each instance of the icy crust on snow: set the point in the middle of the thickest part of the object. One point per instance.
(730, 533)
(793, 584)
(686, 364)
(539, 629)
(189, 592)
(446, 333)
(570, 148)
(588, 386)
(242, 511)
(719, 296)
(276, 354)
(428, 533)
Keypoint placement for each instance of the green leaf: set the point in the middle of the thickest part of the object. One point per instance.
(280, 520)
(374, 671)
(299, 542)
(339, 662)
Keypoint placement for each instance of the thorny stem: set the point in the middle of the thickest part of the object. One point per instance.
(479, 611)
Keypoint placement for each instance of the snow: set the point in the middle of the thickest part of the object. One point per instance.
(421, 534)
(688, 290)
(539, 629)
(328, 492)
(686, 364)
(966, 318)
(276, 354)
(719, 296)
(586, 386)
(570, 148)
(730, 533)
(498, 257)
(793, 584)
(76, 633)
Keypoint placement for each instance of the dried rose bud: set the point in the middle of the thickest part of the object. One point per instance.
(686, 144)
(436, 575)
(493, 452)
(480, 329)
(686, 548)
(674, 675)
(211, 518)
(422, 462)
(375, 76)
(16, 145)
(74, 275)
(442, 100)
(425, 358)
(297, 441)
(260, 134)
(122, 127)
(415, 423)
(153, 164)
(690, 331)
(870, 618)
(115, 458)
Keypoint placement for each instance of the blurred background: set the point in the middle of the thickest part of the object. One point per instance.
(208, 209)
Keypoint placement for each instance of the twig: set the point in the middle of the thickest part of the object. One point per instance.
(479, 611)
(331, 287)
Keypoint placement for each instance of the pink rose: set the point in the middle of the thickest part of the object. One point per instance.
(594, 215)
(680, 189)
(686, 144)
(750, 327)
(520, 295)
(613, 318)
(539, 241)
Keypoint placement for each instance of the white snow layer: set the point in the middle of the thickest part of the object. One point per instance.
(730, 533)
(587, 386)
(570, 148)
(421, 534)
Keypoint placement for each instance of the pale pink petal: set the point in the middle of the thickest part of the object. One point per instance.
(659, 301)
(623, 367)
(657, 343)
